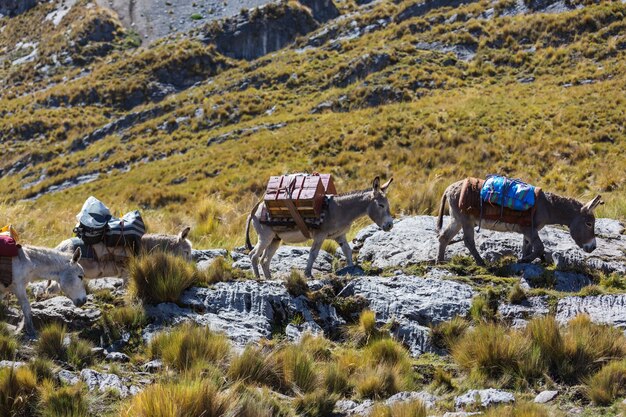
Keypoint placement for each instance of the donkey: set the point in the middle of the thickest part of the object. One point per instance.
(341, 212)
(36, 263)
(549, 209)
(176, 244)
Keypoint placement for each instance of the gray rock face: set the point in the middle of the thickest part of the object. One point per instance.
(246, 311)
(322, 10)
(117, 357)
(427, 398)
(414, 303)
(414, 240)
(350, 408)
(15, 7)
(263, 30)
(545, 396)
(518, 314)
(103, 382)
(111, 284)
(62, 310)
(288, 258)
(485, 398)
(608, 309)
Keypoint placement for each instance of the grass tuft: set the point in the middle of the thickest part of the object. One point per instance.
(296, 284)
(447, 333)
(608, 384)
(67, 401)
(51, 343)
(318, 403)
(414, 408)
(517, 294)
(18, 392)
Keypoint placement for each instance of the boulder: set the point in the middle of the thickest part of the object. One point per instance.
(322, 10)
(245, 310)
(427, 398)
(288, 258)
(61, 310)
(484, 398)
(608, 309)
(414, 240)
(413, 303)
(117, 357)
(103, 382)
(517, 314)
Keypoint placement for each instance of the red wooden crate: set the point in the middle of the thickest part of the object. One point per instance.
(307, 193)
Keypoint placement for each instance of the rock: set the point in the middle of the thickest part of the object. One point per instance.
(527, 309)
(153, 366)
(117, 357)
(68, 377)
(349, 407)
(361, 67)
(459, 414)
(427, 398)
(112, 284)
(103, 382)
(545, 396)
(608, 309)
(414, 303)
(61, 310)
(354, 271)
(258, 32)
(11, 364)
(487, 397)
(420, 9)
(15, 7)
(288, 258)
(206, 257)
(245, 310)
(322, 10)
(295, 332)
(414, 240)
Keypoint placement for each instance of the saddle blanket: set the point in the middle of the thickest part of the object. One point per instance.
(507, 192)
(6, 270)
(470, 203)
(100, 252)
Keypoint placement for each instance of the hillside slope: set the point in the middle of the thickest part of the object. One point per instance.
(427, 92)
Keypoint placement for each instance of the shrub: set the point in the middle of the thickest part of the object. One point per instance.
(124, 319)
(160, 277)
(252, 366)
(318, 403)
(365, 330)
(317, 346)
(189, 346)
(42, 368)
(445, 334)
(18, 392)
(299, 369)
(386, 351)
(8, 344)
(78, 352)
(484, 306)
(336, 380)
(257, 403)
(189, 398)
(62, 401)
(414, 408)
(442, 380)
(296, 284)
(379, 382)
(608, 383)
(517, 294)
(51, 343)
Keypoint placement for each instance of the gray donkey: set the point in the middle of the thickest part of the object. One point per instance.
(341, 212)
(549, 209)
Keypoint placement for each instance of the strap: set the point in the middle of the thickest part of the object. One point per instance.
(294, 212)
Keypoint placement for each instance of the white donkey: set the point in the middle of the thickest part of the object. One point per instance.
(35, 263)
(115, 259)
(341, 212)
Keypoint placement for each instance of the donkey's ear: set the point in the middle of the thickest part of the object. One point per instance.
(183, 234)
(590, 206)
(376, 185)
(384, 187)
(76, 256)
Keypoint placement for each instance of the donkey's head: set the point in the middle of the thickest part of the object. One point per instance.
(183, 246)
(582, 226)
(378, 209)
(71, 280)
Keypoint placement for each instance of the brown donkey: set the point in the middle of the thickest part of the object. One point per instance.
(549, 209)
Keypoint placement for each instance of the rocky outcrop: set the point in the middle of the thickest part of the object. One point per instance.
(246, 311)
(608, 309)
(322, 10)
(361, 67)
(420, 8)
(260, 31)
(15, 7)
(518, 314)
(353, 408)
(413, 303)
(414, 240)
(61, 310)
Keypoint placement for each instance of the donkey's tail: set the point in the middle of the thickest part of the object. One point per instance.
(248, 243)
(442, 207)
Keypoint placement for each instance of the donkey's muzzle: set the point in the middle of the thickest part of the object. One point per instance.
(79, 302)
(590, 246)
(388, 226)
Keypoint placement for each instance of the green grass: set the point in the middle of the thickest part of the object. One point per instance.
(608, 384)
(67, 401)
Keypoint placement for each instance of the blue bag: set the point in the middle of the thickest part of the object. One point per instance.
(507, 192)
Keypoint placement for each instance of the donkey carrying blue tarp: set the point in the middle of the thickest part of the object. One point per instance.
(506, 192)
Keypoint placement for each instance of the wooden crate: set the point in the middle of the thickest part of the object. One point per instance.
(307, 194)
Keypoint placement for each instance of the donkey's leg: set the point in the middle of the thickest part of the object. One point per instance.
(526, 246)
(538, 250)
(256, 252)
(315, 250)
(468, 238)
(22, 299)
(345, 248)
(267, 257)
(446, 236)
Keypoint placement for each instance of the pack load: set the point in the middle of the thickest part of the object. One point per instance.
(297, 198)
(92, 221)
(126, 231)
(97, 225)
(471, 202)
(9, 248)
(507, 192)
